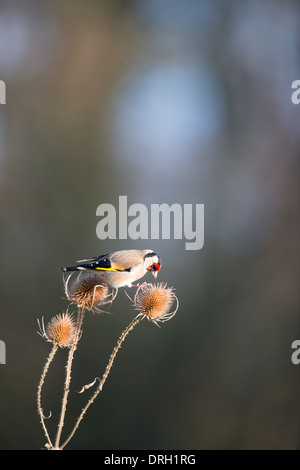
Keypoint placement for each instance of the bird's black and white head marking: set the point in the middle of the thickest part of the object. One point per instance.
(152, 262)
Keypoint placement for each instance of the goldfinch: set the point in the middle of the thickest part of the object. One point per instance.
(121, 268)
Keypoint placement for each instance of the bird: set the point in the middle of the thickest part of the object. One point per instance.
(120, 268)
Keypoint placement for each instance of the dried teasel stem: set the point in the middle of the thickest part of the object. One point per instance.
(68, 376)
(39, 393)
(123, 336)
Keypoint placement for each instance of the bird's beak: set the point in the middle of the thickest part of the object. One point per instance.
(154, 274)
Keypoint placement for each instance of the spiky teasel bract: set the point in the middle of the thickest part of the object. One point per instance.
(154, 301)
(88, 291)
(60, 330)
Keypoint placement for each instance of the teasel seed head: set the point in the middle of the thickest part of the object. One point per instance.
(88, 291)
(60, 330)
(154, 301)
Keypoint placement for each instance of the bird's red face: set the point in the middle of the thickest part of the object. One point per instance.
(154, 267)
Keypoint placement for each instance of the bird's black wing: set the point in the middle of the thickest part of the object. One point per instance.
(95, 258)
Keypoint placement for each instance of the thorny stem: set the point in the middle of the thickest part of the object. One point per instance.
(130, 327)
(39, 393)
(68, 376)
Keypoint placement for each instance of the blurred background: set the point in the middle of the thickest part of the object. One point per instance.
(162, 101)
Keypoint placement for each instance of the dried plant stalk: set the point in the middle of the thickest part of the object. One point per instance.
(123, 336)
(68, 376)
(153, 302)
(39, 394)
